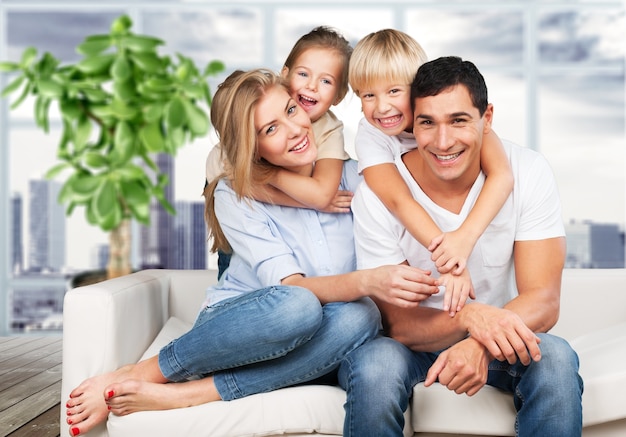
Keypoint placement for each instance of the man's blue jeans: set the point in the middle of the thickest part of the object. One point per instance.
(269, 339)
(379, 378)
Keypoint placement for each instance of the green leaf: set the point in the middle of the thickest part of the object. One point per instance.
(152, 137)
(124, 90)
(141, 43)
(195, 91)
(121, 24)
(148, 62)
(175, 113)
(122, 111)
(70, 109)
(160, 84)
(42, 105)
(56, 170)
(96, 160)
(135, 193)
(82, 132)
(141, 212)
(94, 45)
(214, 68)
(198, 121)
(153, 112)
(121, 69)
(105, 199)
(28, 56)
(95, 64)
(81, 187)
(14, 85)
(160, 195)
(95, 95)
(25, 92)
(49, 89)
(123, 143)
(9, 66)
(112, 220)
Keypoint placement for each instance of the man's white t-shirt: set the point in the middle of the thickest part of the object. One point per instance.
(532, 212)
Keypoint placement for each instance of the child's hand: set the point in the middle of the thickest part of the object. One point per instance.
(457, 289)
(340, 203)
(450, 252)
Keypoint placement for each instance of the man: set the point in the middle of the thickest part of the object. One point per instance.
(500, 339)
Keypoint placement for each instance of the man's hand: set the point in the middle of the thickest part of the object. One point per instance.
(502, 332)
(462, 368)
(400, 285)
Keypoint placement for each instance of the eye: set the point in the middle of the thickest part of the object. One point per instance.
(302, 74)
(367, 95)
(292, 109)
(270, 129)
(327, 81)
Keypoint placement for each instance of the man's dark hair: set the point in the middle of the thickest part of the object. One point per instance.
(437, 75)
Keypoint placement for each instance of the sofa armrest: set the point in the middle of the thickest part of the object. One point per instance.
(109, 324)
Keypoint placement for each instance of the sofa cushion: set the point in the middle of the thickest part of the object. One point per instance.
(602, 355)
(293, 411)
(437, 409)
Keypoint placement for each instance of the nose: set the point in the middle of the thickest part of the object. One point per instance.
(382, 105)
(294, 128)
(311, 83)
(444, 140)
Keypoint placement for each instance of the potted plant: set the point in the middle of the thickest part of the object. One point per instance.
(120, 105)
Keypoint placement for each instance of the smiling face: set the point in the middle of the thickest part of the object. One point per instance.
(314, 80)
(283, 129)
(387, 106)
(449, 132)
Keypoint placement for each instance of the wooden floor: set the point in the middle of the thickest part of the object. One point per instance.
(30, 386)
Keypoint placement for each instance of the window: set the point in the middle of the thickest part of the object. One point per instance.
(555, 72)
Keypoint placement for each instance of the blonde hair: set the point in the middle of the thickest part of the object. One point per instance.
(325, 37)
(232, 116)
(386, 55)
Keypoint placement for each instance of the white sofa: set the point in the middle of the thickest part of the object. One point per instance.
(116, 322)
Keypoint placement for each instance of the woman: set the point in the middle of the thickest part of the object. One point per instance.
(290, 306)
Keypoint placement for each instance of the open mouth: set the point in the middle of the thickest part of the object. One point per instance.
(301, 145)
(306, 101)
(390, 121)
(445, 158)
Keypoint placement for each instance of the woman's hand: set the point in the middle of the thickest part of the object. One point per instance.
(399, 285)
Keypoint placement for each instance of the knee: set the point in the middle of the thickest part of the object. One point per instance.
(382, 362)
(300, 309)
(558, 353)
(360, 319)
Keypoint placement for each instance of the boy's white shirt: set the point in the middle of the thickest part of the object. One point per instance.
(374, 147)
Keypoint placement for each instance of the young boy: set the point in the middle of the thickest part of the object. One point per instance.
(382, 68)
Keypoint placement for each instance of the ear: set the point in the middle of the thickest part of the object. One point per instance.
(284, 72)
(487, 118)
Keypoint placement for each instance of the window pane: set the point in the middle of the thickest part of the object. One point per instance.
(582, 36)
(486, 37)
(582, 134)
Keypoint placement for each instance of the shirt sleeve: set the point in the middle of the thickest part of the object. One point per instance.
(372, 147)
(540, 211)
(254, 237)
(328, 132)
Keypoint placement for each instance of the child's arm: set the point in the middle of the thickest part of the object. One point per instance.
(319, 191)
(385, 181)
(453, 248)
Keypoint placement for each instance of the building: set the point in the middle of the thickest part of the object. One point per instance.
(17, 239)
(191, 236)
(46, 218)
(594, 245)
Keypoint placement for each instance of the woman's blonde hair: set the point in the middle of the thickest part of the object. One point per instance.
(232, 116)
(386, 55)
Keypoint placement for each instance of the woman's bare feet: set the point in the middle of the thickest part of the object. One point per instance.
(131, 396)
(87, 406)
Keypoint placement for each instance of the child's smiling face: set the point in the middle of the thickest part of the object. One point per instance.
(314, 80)
(387, 106)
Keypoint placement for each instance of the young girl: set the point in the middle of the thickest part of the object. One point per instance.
(317, 72)
(382, 68)
(291, 306)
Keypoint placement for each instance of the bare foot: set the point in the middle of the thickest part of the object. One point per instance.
(131, 396)
(86, 407)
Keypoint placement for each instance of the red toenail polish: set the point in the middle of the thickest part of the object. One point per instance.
(69, 421)
(75, 431)
(109, 407)
(68, 405)
(110, 394)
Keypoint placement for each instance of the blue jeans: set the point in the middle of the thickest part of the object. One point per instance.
(269, 339)
(379, 377)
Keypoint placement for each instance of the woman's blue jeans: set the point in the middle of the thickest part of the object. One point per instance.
(269, 339)
(379, 378)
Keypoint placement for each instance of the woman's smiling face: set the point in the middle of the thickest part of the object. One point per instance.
(283, 129)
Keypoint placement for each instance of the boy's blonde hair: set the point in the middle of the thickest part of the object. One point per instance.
(386, 55)
(324, 37)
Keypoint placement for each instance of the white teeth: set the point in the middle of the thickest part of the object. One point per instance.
(447, 157)
(300, 146)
